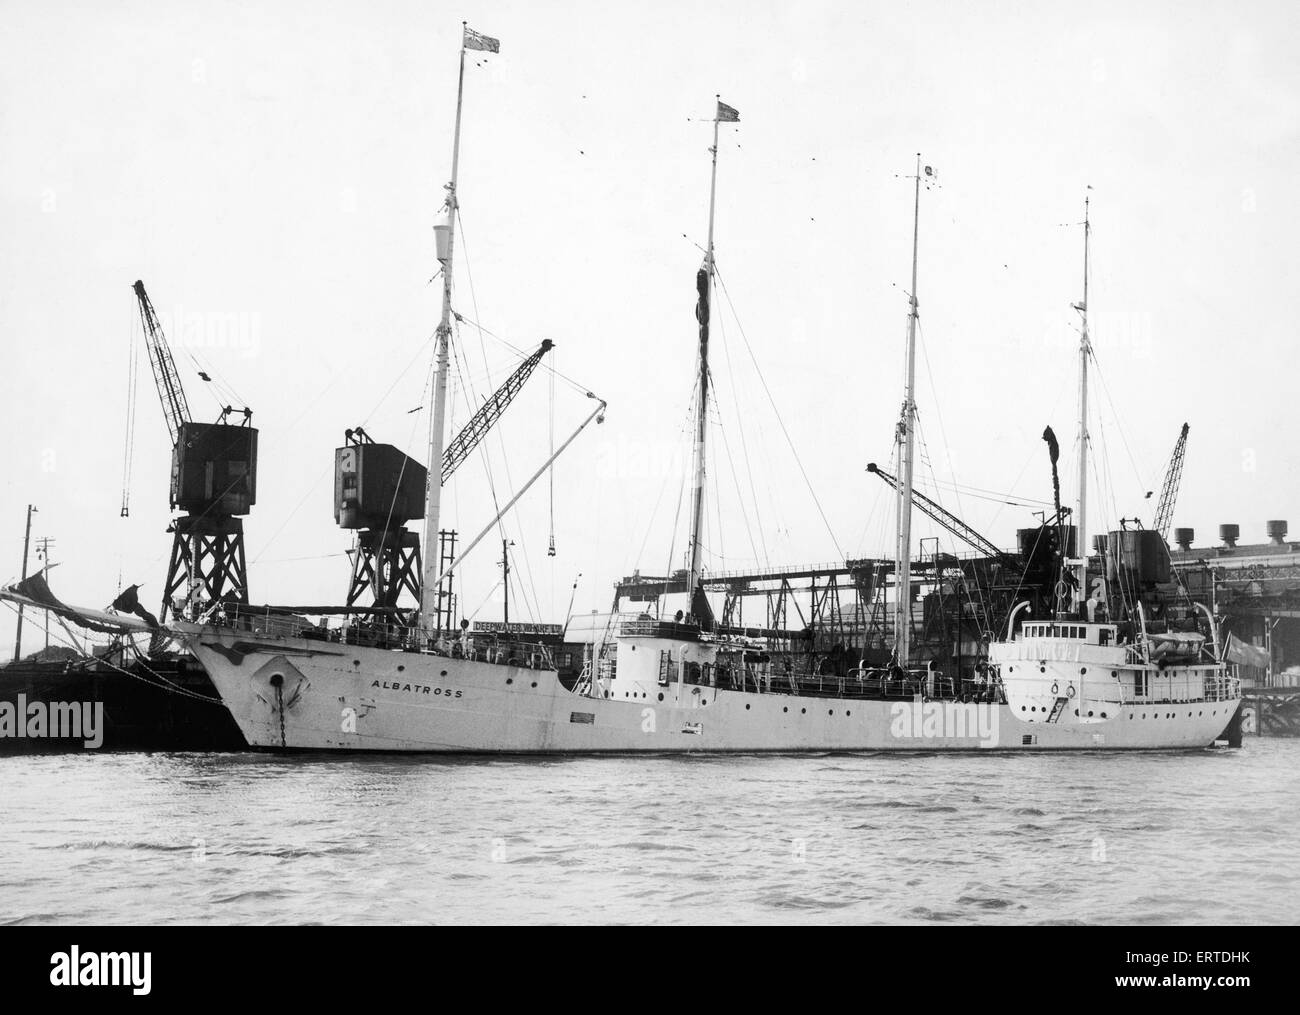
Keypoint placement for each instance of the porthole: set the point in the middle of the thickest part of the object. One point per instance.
(746, 708)
(444, 672)
(511, 680)
(1103, 715)
(356, 662)
(802, 711)
(1114, 673)
(661, 695)
(848, 713)
(785, 708)
(1042, 669)
(1090, 714)
(1083, 669)
(830, 711)
(402, 669)
(1076, 711)
(535, 684)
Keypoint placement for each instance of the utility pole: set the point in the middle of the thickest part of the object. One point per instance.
(27, 540)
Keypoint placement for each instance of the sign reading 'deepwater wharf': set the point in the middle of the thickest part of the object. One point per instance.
(54, 720)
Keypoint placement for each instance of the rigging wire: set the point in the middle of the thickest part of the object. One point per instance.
(499, 429)
(330, 467)
(777, 412)
(681, 492)
(132, 387)
(740, 497)
(582, 389)
(744, 446)
(550, 473)
(1118, 421)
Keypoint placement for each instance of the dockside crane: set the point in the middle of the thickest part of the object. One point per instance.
(378, 489)
(1169, 493)
(213, 481)
(176, 408)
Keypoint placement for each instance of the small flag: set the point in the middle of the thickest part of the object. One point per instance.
(726, 114)
(484, 42)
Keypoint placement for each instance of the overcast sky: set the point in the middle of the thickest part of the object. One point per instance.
(272, 172)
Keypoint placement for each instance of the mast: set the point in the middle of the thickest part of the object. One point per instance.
(704, 286)
(27, 542)
(1085, 348)
(433, 498)
(906, 446)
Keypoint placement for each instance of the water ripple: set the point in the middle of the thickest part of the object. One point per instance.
(839, 837)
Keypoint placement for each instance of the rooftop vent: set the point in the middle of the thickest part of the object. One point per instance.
(1277, 532)
(1229, 534)
(1184, 537)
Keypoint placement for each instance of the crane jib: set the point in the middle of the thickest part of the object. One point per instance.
(483, 420)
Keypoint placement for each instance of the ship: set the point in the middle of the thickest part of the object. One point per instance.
(1091, 676)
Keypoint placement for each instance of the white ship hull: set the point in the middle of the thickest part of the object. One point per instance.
(338, 697)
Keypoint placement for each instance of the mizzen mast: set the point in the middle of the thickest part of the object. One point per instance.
(906, 441)
(1085, 350)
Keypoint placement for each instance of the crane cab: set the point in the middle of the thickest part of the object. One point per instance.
(214, 469)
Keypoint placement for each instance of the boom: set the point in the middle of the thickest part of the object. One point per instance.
(1169, 495)
(944, 517)
(489, 412)
(175, 408)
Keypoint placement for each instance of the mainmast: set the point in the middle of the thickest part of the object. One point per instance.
(446, 235)
(704, 287)
(1085, 349)
(906, 440)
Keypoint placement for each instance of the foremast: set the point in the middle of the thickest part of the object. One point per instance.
(704, 288)
(446, 234)
(906, 441)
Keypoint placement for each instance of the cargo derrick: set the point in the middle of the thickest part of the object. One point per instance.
(213, 481)
(971, 596)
